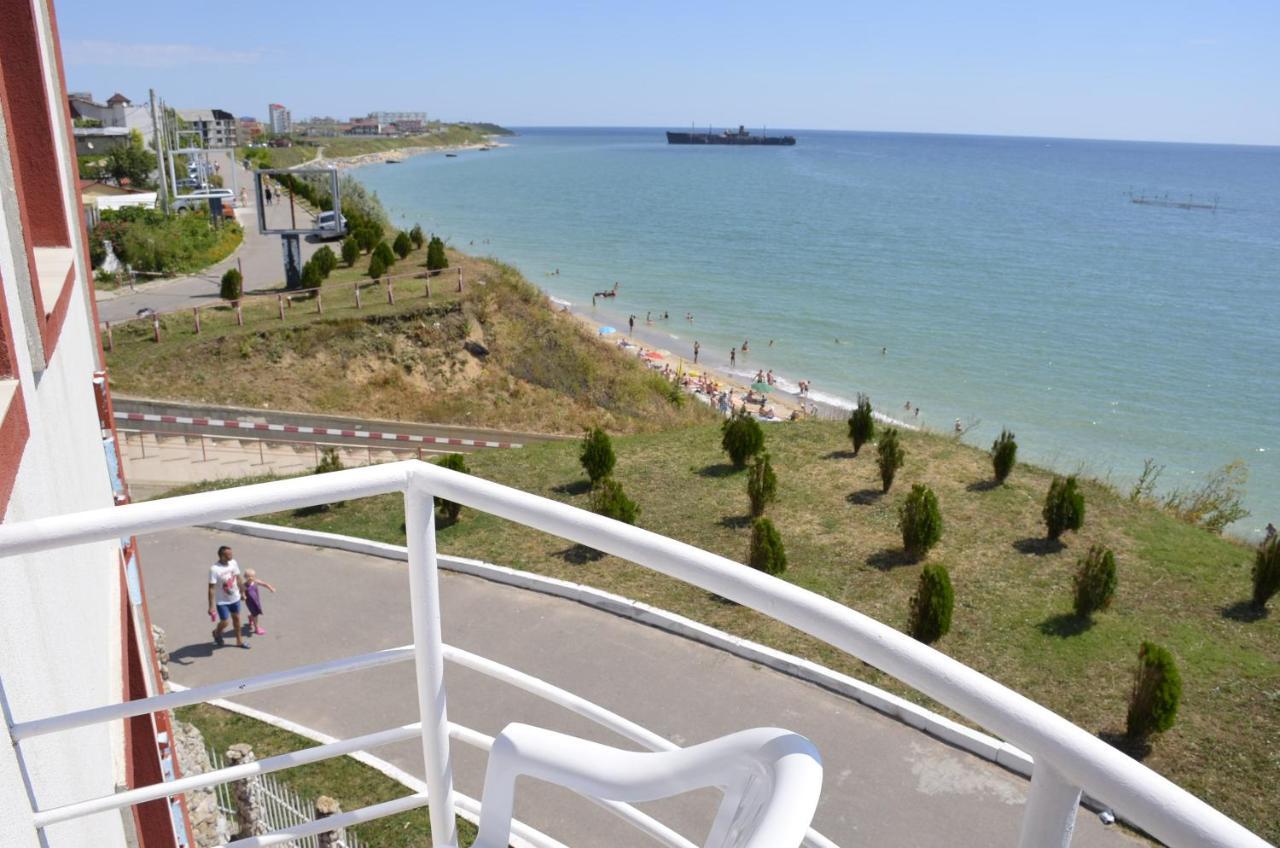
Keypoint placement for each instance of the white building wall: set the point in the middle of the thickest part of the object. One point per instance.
(60, 632)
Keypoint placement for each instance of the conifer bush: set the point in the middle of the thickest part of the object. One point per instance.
(930, 615)
(762, 484)
(402, 245)
(1095, 581)
(741, 438)
(1157, 692)
(766, 552)
(311, 276)
(350, 250)
(329, 461)
(1004, 453)
(608, 499)
(384, 252)
(326, 260)
(416, 236)
(1063, 507)
(232, 285)
(1266, 572)
(376, 267)
(889, 456)
(368, 237)
(862, 424)
(449, 510)
(920, 521)
(597, 455)
(436, 258)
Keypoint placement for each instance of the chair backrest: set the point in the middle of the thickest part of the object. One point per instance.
(771, 780)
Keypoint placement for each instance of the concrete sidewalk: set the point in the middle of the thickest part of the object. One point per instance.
(260, 258)
(885, 784)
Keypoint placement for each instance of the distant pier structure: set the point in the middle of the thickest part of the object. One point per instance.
(1172, 202)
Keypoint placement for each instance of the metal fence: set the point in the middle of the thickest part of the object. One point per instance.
(281, 808)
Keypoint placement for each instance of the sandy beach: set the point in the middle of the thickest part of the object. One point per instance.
(648, 344)
(343, 163)
(655, 339)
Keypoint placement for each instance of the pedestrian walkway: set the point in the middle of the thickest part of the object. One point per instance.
(885, 784)
(259, 257)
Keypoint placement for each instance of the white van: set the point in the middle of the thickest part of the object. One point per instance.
(334, 225)
(204, 195)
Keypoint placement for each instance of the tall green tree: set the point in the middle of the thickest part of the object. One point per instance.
(402, 245)
(766, 552)
(930, 612)
(416, 236)
(450, 510)
(132, 162)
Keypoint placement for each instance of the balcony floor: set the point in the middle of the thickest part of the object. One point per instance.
(885, 784)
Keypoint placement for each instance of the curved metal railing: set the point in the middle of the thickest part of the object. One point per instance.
(1067, 758)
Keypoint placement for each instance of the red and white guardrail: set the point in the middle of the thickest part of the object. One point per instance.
(371, 435)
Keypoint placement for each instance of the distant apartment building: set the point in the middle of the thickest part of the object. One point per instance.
(279, 119)
(119, 112)
(402, 121)
(248, 129)
(324, 127)
(217, 127)
(363, 126)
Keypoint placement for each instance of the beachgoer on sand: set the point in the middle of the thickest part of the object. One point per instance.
(632, 322)
(696, 347)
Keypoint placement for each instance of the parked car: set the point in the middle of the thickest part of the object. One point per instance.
(333, 224)
(204, 195)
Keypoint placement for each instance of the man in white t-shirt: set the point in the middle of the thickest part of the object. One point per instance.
(225, 587)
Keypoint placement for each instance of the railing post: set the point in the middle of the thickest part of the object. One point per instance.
(357, 288)
(111, 343)
(155, 327)
(459, 281)
(424, 600)
(391, 295)
(319, 303)
(239, 315)
(195, 312)
(280, 304)
(1050, 816)
(428, 286)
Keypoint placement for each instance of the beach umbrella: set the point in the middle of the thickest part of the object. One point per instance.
(762, 387)
(653, 354)
(604, 331)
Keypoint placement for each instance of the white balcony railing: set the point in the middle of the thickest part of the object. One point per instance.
(1067, 758)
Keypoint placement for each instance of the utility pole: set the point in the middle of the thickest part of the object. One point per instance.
(155, 141)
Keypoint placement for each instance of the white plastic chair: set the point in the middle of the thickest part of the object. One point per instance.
(771, 780)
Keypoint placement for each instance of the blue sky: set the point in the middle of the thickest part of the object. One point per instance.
(1128, 69)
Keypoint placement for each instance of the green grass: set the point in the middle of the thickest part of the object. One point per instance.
(1179, 585)
(544, 371)
(352, 784)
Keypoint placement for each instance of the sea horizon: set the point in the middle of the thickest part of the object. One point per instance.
(1003, 281)
(517, 128)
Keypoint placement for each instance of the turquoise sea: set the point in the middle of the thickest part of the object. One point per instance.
(1009, 281)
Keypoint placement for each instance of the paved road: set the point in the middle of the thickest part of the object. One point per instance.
(885, 784)
(259, 257)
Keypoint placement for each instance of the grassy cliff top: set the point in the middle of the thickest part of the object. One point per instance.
(1179, 585)
(543, 372)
